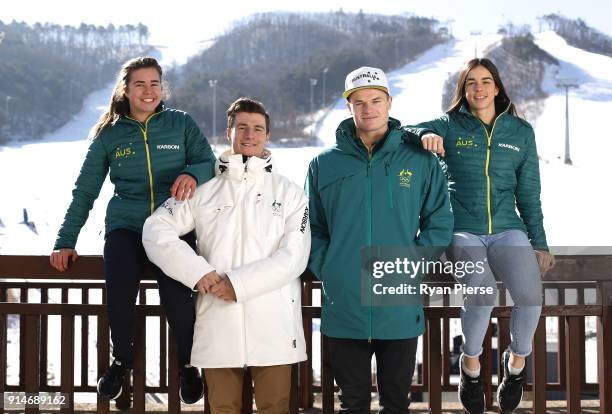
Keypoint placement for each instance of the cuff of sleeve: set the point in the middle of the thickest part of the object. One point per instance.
(194, 276)
(239, 288)
(423, 133)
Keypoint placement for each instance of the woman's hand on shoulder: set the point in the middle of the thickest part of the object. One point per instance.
(433, 142)
(184, 187)
(61, 258)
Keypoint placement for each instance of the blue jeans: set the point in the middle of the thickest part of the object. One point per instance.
(509, 257)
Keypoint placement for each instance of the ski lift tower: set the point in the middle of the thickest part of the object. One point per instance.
(567, 84)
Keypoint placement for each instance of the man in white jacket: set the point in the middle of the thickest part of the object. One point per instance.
(253, 244)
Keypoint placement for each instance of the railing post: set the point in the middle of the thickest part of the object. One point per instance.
(174, 404)
(572, 363)
(84, 337)
(434, 365)
(3, 341)
(44, 335)
(487, 366)
(604, 349)
(103, 405)
(294, 407)
(305, 381)
(538, 368)
(31, 357)
(139, 372)
(67, 363)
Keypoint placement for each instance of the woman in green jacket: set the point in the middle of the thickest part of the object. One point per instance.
(493, 167)
(151, 153)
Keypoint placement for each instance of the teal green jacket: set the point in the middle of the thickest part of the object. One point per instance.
(144, 160)
(492, 173)
(396, 197)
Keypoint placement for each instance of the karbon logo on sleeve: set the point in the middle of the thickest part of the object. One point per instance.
(512, 147)
(174, 147)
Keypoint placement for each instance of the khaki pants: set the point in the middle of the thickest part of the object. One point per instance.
(272, 388)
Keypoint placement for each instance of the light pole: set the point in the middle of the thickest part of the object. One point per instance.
(213, 84)
(313, 82)
(324, 73)
(567, 85)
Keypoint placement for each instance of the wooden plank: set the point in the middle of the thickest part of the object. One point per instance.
(139, 371)
(23, 298)
(69, 309)
(538, 367)
(487, 366)
(572, 365)
(604, 350)
(163, 341)
(434, 365)
(67, 362)
(561, 338)
(37, 267)
(102, 345)
(3, 343)
(44, 339)
(31, 355)
(84, 338)
(174, 403)
(294, 406)
(446, 344)
(305, 379)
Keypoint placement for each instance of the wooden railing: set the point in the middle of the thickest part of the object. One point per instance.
(578, 274)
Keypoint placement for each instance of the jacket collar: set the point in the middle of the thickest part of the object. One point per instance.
(465, 109)
(347, 140)
(236, 168)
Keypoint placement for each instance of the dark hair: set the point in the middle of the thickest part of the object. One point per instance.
(246, 105)
(502, 100)
(119, 104)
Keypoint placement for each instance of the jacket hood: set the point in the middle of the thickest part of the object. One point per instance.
(236, 165)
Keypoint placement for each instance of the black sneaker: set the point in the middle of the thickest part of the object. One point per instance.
(510, 391)
(191, 387)
(110, 384)
(471, 393)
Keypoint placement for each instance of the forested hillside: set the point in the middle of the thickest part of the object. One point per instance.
(522, 66)
(275, 57)
(46, 70)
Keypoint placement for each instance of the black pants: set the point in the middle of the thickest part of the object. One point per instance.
(351, 366)
(124, 263)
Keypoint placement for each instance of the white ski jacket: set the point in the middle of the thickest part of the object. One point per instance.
(252, 225)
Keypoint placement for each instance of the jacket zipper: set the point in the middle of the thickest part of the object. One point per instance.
(489, 137)
(149, 169)
(369, 238)
(389, 186)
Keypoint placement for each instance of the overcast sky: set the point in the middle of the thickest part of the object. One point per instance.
(172, 22)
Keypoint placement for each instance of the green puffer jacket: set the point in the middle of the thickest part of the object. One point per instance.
(491, 173)
(358, 201)
(144, 160)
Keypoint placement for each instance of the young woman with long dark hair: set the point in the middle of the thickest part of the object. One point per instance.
(151, 153)
(493, 168)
